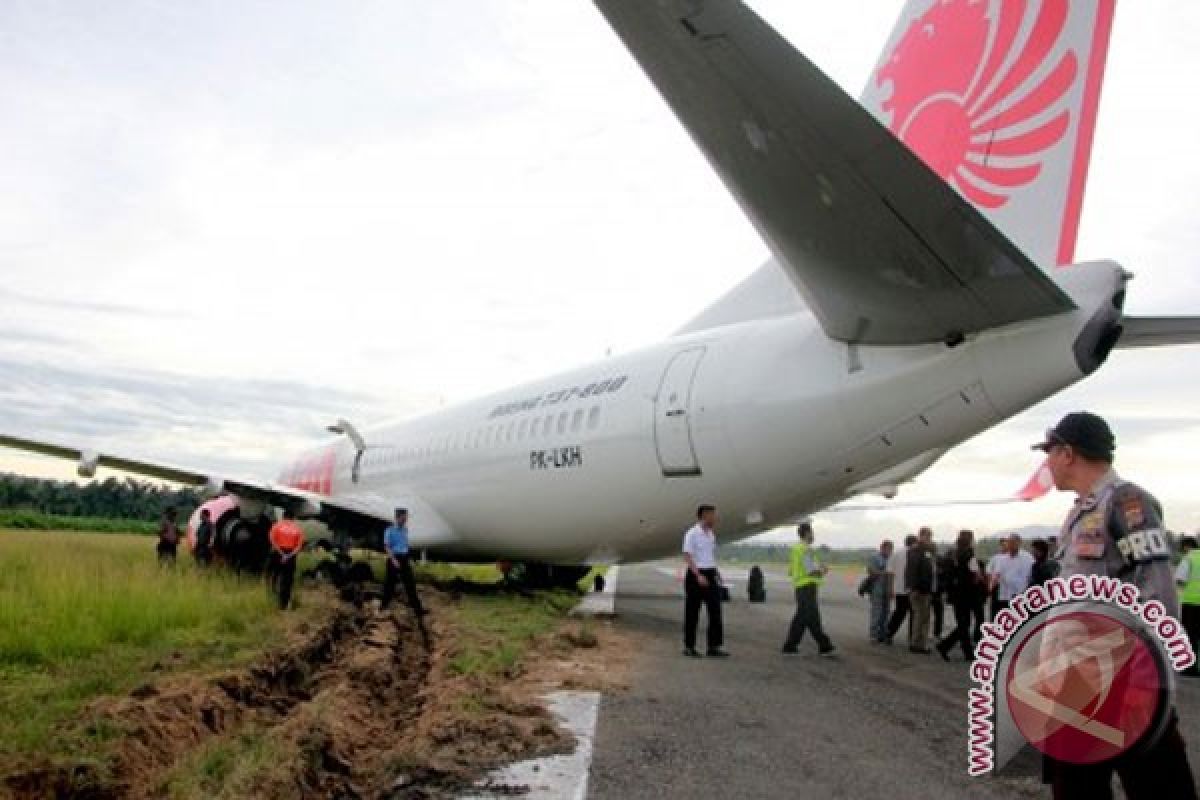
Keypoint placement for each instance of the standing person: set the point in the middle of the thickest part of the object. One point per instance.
(807, 573)
(395, 545)
(897, 565)
(919, 571)
(204, 538)
(702, 584)
(168, 538)
(979, 601)
(287, 540)
(881, 592)
(942, 564)
(961, 591)
(1011, 572)
(1044, 567)
(1187, 578)
(1115, 529)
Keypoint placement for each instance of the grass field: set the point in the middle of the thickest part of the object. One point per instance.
(83, 615)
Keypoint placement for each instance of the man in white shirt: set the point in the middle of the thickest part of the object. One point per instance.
(1009, 572)
(702, 584)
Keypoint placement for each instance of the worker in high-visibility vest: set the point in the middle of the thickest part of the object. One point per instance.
(807, 574)
(287, 540)
(1187, 578)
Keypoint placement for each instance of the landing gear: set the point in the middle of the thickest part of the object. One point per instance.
(546, 576)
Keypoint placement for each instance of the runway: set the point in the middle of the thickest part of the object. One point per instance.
(875, 721)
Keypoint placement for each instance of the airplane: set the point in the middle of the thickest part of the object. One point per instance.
(913, 300)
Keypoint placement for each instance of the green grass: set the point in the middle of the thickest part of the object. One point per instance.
(496, 631)
(87, 615)
(226, 768)
(37, 521)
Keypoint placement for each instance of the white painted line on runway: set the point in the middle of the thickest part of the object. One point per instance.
(554, 777)
(600, 604)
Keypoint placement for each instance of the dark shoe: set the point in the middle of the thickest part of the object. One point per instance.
(790, 651)
(827, 651)
(922, 650)
(888, 641)
(944, 654)
(691, 652)
(717, 653)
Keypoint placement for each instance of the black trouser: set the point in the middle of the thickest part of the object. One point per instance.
(283, 576)
(166, 554)
(939, 613)
(806, 618)
(708, 596)
(902, 608)
(962, 630)
(1161, 773)
(405, 574)
(998, 605)
(1191, 624)
(976, 605)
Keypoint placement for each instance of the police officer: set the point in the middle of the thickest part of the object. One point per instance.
(1187, 577)
(395, 544)
(807, 575)
(1115, 528)
(287, 540)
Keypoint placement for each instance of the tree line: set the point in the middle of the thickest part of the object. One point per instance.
(112, 498)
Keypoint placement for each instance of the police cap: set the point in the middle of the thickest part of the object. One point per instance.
(1087, 433)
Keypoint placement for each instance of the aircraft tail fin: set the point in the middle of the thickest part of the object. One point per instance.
(999, 98)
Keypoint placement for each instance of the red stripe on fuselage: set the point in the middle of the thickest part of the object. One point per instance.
(312, 472)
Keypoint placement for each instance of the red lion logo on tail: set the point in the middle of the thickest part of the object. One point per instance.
(962, 95)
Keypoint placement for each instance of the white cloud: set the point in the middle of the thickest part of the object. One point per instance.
(418, 203)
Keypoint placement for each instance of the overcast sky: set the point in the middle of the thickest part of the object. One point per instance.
(224, 227)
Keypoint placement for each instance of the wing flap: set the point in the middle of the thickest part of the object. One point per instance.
(879, 246)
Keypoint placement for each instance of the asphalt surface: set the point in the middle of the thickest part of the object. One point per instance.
(875, 721)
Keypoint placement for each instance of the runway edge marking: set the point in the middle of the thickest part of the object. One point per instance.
(600, 604)
(555, 777)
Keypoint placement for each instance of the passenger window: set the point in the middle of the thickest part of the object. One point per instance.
(548, 425)
(577, 421)
(523, 429)
(562, 423)
(594, 418)
(533, 428)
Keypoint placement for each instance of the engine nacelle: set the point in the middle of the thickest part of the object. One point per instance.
(240, 528)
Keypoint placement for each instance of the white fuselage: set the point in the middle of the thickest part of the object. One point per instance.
(766, 419)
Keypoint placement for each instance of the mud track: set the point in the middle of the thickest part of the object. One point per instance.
(356, 707)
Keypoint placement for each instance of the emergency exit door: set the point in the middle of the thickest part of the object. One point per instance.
(672, 415)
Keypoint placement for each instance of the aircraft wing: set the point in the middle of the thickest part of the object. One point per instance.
(1158, 331)
(357, 509)
(881, 248)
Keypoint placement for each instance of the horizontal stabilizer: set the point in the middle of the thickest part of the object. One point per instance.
(1158, 331)
(880, 247)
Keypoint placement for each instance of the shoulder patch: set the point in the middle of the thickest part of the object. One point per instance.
(1134, 511)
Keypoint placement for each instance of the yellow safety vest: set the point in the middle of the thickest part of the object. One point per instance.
(1190, 596)
(800, 576)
